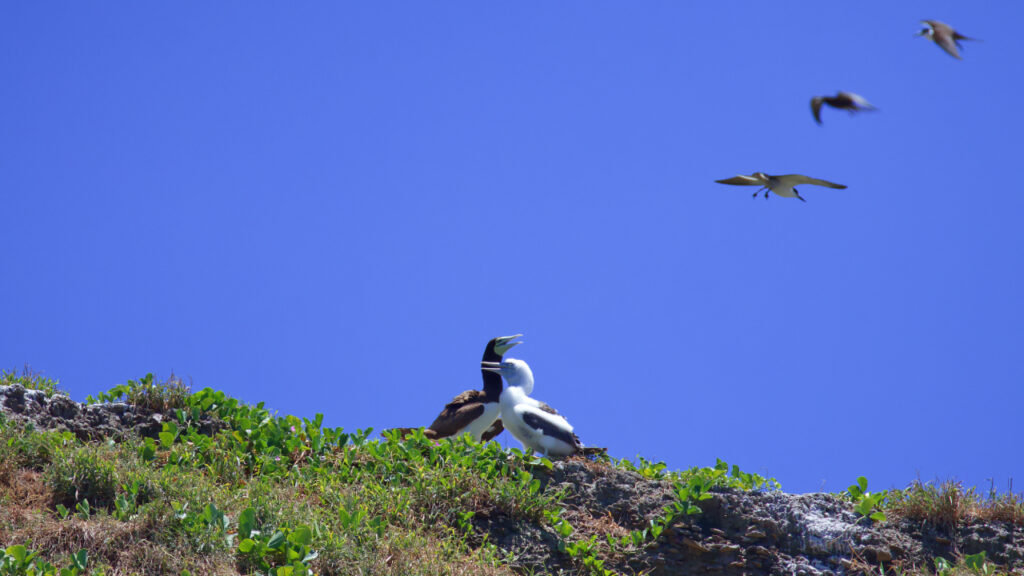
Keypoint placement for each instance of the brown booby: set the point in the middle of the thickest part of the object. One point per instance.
(474, 411)
(842, 101)
(784, 185)
(944, 35)
(538, 426)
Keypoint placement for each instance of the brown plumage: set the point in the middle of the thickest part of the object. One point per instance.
(945, 36)
(461, 413)
(842, 101)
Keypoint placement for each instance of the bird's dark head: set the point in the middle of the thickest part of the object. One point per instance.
(502, 344)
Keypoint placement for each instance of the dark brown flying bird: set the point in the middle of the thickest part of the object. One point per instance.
(944, 35)
(842, 101)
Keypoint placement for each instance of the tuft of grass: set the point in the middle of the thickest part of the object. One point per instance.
(31, 380)
(949, 504)
(86, 476)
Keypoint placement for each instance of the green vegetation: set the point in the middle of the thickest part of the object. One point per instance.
(31, 380)
(865, 503)
(274, 495)
(288, 496)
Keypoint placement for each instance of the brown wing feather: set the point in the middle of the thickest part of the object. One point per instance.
(816, 108)
(458, 413)
(493, 431)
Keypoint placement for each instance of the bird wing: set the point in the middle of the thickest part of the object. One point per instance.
(947, 43)
(549, 424)
(742, 180)
(493, 431)
(458, 413)
(550, 410)
(816, 108)
(857, 99)
(797, 179)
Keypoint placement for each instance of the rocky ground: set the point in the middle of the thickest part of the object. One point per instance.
(738, 533)
(87, 422)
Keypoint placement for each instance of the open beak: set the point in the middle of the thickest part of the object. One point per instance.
(492, 366)
(505, 343)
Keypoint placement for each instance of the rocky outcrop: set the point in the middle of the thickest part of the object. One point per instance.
(86, 421)
(744, 533)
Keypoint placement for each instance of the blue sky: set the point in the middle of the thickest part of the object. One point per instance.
(331, 207)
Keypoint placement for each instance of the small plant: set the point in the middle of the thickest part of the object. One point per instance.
(977, 563)
(17, 560)
(31, 380)
(88, 474)
(865, 503)
(83, 509)
(287, 550)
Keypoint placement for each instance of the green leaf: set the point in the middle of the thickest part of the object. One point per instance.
(878, 517)
(301, 536)
(246, 546)
(975, 562)
(18, 552)
(166, 439)
(247, 522)
(80, 559)
(276, 540)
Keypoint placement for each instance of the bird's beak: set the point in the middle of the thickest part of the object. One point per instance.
(492, 366)
(505, 343)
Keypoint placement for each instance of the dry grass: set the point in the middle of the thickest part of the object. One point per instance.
(950, 504)
(413, 554)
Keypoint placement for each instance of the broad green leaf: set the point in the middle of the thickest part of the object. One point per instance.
(246, 546)
(80, 559)
(975, 562)
(246, 522)
(301, 536)
(19, 552)
(166, 439)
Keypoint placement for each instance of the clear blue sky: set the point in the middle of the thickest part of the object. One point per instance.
(331, 207)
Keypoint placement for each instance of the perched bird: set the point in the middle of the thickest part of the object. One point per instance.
(538, 426)
(843, 101)
(782, 185)
(474, 411)
(944, 35)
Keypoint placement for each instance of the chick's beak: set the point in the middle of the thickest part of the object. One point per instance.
(491, 367)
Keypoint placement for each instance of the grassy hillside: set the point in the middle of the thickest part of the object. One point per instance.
(258, 493)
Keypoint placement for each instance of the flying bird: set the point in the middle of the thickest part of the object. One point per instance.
(538, 426)
(474, 411)
(784, 185)
(944, 35)
(842, 101)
